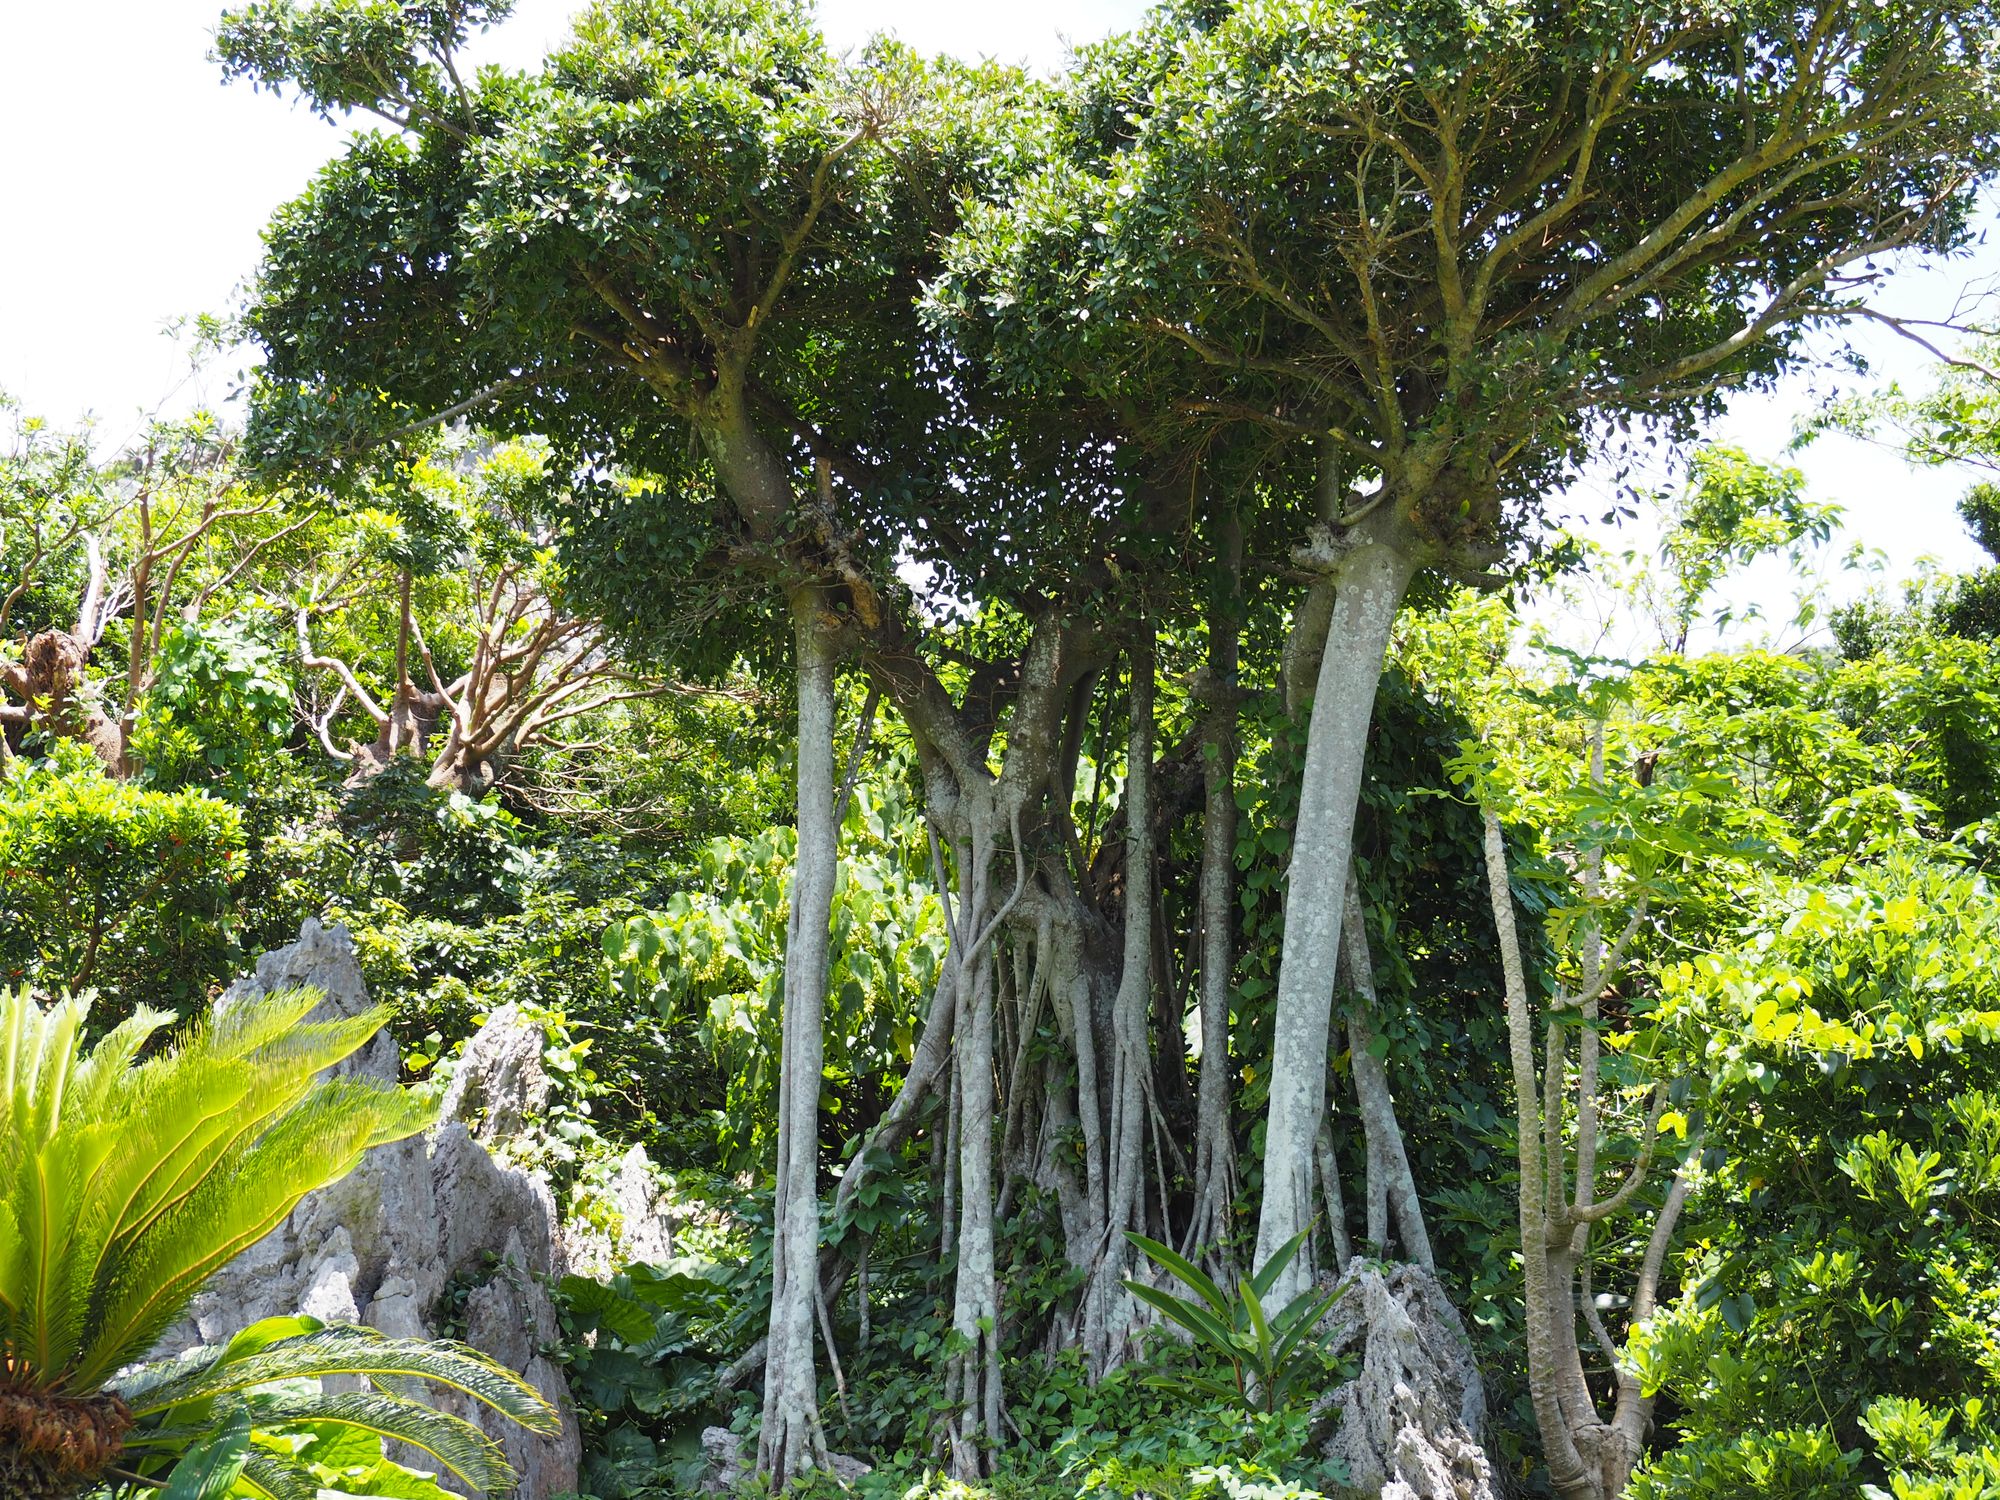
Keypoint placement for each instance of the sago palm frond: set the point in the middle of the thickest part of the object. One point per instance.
(310, 1351)
(185, 1408)
(130, 1172)
(125, 1183)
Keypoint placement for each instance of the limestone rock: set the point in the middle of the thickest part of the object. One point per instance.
(638, 1229)
(729, 1465)
(646, 1231)
(1409, 1422)
(414, 1220)
(499, 1081)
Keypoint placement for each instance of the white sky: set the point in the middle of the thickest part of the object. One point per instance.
(138, 185)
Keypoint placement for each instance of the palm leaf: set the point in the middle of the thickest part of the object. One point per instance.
(319, 1140)
(274, 1477)
(343, 1349)
(209, 1470)
(1298, 1320)
(1287, 1368)
(125, 1183)
(452, 1441)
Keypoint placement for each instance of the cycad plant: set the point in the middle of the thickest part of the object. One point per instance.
(125, 1182)
(251, 1418)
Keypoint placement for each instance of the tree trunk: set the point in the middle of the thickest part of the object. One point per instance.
(1131, 1061)
(1588, 1457)
(1387, 1152)
(1370, 583)
(1567, 1469)
(976, 1302)
(791, 1441)
(56, 1447)
(1336, 1200)
(1215, 1139)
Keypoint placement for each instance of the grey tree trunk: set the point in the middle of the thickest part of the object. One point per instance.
(974, 1371)
(1336, 1200)
(1215, 1141)
(1105, 1299)
(1589, 1457)
(1388, 1153)
(1370, 581)
(976, 1303)
(791, 1440)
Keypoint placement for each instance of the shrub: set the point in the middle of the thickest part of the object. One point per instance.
(1845, 1260)
(219, 707)
(108, 884)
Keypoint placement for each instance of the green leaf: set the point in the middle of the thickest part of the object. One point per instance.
(209, 1470)
(1299, 1320)
(1185, 1269)
(1267, 1275)
(1253, 1309)
(1192, 1316)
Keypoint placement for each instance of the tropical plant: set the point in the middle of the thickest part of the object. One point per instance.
(250, 1418)
(125, 1182)
(106, 883)
(1266, 1352)
(219, 704)
(640, 1354)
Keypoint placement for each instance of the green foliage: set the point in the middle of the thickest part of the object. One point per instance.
(346, 56)
(437, 853)
(124, 1183)
(695, 235)
(112, 884)
(642, 1363)
(1268, 1355)
(715, 954)
(1845, 1050)
(51, 493)
(219, 707)
(1925, 1460)
(1732, 511)
(252, 1417)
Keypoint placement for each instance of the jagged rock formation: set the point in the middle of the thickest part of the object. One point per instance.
(424, 1218)
(729, 1462)
(1408, 1424)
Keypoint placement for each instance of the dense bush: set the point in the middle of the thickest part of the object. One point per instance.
(113, 885)
(217, 712)
(1847, 1261)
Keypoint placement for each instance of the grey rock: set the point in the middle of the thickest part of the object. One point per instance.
(646, 1231)
(384, 1245)
(729, 1464)
(639, 1227)
(499, 1081)
(1408, 1424)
